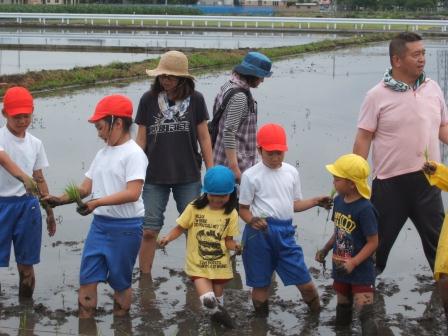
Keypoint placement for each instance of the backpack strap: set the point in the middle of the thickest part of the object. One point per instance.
(213, 125)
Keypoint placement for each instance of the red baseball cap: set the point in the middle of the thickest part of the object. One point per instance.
(272, 137)
(18, 100)
(113, 105)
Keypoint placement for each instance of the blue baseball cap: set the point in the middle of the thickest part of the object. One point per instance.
(219, 180)
(255, 64)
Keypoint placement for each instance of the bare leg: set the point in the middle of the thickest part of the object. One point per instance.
(147, 250)
(122, 302)
(26, 280)
(310, 296)
(87, 300)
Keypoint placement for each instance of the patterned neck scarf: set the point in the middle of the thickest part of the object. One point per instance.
(400, 86)
(236, 82)
(170, 112)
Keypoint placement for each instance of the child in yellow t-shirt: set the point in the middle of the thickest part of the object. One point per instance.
(437, 175)
(212, 222)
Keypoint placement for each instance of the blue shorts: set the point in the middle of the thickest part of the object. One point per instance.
(273, 250)
(21, 224)
(110, 251)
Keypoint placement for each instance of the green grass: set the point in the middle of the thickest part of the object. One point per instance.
(199, 62)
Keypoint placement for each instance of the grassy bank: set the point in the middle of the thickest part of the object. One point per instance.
(199, 61)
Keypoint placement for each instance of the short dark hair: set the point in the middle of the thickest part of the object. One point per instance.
(127, 122)
(185, 87)
(398, 44)
(249, 79)
(202, 201)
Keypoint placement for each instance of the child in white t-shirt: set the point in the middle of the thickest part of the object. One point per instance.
(270, 193)
(22, 156)
(115, 181)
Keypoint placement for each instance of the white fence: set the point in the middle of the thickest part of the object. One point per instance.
(230, 21)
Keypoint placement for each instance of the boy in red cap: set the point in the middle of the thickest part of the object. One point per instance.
(270, 193)
(20, 216)
(115, 181)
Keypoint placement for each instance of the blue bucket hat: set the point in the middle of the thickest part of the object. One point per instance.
(219, 180)
(255, 64)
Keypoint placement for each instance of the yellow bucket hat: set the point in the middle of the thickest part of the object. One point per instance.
(354, 168)
(173, 63)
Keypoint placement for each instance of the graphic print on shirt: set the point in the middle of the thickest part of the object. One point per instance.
(345, 225)
(209, 238)
(173, 118)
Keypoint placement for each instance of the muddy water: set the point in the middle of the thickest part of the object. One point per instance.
(21, 61)
(316, 98)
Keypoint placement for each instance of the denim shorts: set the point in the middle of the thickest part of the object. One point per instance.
(273, 250)
(110, 251)
(156, 196)
(21, 224)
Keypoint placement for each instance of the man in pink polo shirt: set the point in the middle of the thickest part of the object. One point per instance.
(402, 118)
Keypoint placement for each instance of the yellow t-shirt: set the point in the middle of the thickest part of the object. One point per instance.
(207, 255)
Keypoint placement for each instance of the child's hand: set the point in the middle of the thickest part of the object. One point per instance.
(29, 184)
(52, 201)
(163, 242)
(238, 249)
(320, 256)
(325, 202)
(258, 223)
(87, 208)
(349, 266)
(51, 225)
(429, 168)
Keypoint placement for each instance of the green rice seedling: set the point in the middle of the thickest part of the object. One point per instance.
(426, 154)
(332, 195)
(73, 194)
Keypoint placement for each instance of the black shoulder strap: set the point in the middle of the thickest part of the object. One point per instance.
(214, 123)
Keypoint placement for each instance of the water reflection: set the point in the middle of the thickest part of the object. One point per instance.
(157, 39)
(316, 98)
(21, 61)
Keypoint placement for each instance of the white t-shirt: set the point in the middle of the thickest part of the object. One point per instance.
(271, 192)
(112, 168)
(27, 152)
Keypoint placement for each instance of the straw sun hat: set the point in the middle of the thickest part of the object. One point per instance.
(173, 63)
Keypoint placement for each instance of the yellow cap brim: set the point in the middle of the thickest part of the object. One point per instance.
(334, 171)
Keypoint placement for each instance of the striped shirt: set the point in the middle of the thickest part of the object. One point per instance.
(237, 129)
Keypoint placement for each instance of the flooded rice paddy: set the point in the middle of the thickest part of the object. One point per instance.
(317, 98)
